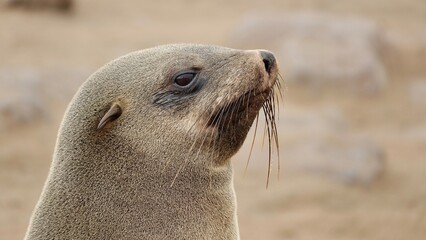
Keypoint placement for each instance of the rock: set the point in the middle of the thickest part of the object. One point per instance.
(317, 141)
(61, 84)
(27, 95)
(297, 121)
(21, 100)
(19, 112)
(415, 134)
(61, 5)
(423, 39)
(320, 50)
(348, 159)
(417, 92)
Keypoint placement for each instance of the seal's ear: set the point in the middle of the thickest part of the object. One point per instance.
(113, 113)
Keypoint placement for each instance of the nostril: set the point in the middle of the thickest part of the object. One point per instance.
(268, 60)
(268, 64)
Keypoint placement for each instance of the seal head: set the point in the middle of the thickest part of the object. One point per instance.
(143, 150)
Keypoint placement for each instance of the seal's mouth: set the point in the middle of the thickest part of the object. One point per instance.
(242, 108)
(226, 124)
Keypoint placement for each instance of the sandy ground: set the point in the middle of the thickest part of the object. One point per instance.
(299, 205)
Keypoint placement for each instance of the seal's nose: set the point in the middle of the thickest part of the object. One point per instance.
(268, 60)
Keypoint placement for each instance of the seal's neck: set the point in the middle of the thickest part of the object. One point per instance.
(111, 187)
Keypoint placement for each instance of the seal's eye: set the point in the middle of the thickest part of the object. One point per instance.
(184, 79)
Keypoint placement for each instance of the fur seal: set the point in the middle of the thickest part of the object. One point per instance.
(143, 151)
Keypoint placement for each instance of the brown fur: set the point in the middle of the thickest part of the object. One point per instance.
(142, 176)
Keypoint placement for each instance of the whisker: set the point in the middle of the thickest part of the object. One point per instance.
(252, 144)
(269, 149)
(232, 108)
(225, 109)
(275, 136)
(269, 112)
(280, 89)
(264, 127)
(248, 103)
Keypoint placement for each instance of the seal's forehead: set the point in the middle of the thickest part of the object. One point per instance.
(178, 56)
(192, 49)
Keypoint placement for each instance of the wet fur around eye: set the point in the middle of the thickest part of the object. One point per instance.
(174, 95)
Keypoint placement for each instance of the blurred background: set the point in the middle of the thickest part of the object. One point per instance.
(352, 124)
